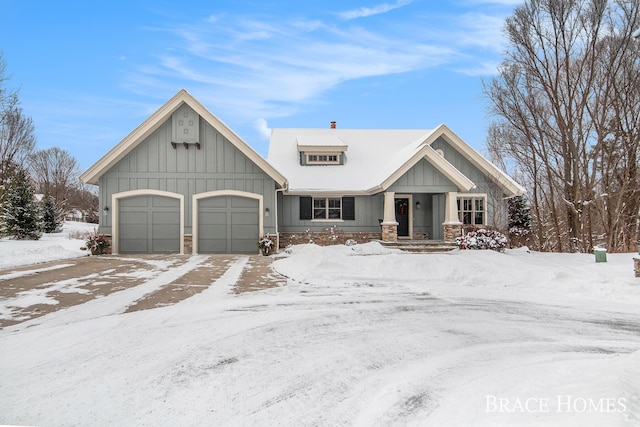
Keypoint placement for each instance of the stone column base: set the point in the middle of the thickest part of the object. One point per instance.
(451, 232)
(389, 232)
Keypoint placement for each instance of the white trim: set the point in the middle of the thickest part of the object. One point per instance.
(115, 204)
(327, 219)
(222, 193)
(511, 187)
(473, 196)
(409, 213)
(440, 163)
(323, 162)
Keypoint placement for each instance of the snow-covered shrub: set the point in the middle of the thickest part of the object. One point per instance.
(350, 242)
(482, 238)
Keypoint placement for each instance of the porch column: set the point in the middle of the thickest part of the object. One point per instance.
(452, 225)
(389, 223)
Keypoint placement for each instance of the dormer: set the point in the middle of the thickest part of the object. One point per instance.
(321, 150)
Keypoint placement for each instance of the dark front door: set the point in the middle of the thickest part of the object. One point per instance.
(402, 217)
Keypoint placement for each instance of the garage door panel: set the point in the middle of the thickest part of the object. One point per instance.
(244, 247)
(163, 246)
(213, 202)
(165, 202)
(133, 231)
(243, 202)
(134, 246)
(244, 218)
(165, 218)
(135, 202)
(243, 232)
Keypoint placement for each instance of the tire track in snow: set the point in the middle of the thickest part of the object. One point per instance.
(115, 303)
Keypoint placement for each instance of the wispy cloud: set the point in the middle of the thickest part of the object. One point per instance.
(259, 68)
(363, 12)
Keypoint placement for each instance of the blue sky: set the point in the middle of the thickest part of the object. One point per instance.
(90, 72)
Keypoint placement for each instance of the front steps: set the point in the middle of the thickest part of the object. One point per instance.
(421, 246)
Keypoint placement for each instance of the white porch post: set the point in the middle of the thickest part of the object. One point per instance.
(389, 223)
(452, 225)
(389, 208)
(451, 209)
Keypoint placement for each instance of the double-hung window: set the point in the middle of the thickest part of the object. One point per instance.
(472, 210)
(327, 208)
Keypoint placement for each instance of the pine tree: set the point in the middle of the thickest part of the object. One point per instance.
(21, 217)
(51, 215)
(519, 213)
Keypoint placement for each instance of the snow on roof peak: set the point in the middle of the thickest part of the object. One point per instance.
(373, 155)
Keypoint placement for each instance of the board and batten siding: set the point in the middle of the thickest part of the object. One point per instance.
(368, 211)
(496, 202)
(423, 177)
(218, 165)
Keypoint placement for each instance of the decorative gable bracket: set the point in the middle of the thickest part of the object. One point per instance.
(185, 144)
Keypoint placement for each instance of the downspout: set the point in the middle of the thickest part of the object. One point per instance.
(283, 189)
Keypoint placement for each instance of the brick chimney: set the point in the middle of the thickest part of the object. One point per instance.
(333, 125)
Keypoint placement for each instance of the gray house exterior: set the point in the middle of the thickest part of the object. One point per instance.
(183, 182)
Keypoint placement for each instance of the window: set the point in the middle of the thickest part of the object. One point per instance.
(323, 159)
(327, 208)
(471, 210)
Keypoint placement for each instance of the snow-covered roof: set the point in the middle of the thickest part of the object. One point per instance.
(371, 154)
(375, 159)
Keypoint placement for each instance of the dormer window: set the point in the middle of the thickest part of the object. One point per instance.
(323, 159)
(318, 150)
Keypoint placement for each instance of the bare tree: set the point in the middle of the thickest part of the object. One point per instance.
(553, 101)
(17, 138)
(55, 172)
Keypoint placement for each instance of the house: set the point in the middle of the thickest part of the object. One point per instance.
(184, 182)
(384, 184)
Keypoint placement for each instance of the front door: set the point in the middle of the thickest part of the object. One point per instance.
(402, 216)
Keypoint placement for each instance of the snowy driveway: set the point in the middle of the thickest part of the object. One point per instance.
(354, 338)
(150, 281)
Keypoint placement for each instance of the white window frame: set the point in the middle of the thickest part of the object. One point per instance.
(327, 208)
(323, 158)
(474, 197)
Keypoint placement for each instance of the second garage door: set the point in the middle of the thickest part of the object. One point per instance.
(228, 224)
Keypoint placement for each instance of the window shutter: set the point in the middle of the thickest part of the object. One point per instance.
(348, 208)
(306, 210)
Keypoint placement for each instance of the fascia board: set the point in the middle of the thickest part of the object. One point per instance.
(510, 187)
(239, 143)
(128, 143)
(440, 163)
(323, 148)
(448, 170)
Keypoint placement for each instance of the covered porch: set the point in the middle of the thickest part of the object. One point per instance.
(420, 217)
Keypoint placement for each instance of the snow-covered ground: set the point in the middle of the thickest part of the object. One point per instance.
(51, 247)
(360, 335)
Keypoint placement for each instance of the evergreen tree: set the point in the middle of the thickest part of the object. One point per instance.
(51, 216)
(20, 217)
(519, 213)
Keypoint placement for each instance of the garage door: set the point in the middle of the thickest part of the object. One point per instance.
(149, 224)
(228, 225)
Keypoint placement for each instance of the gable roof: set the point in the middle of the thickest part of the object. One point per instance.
(376, 159)
(151, 124)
